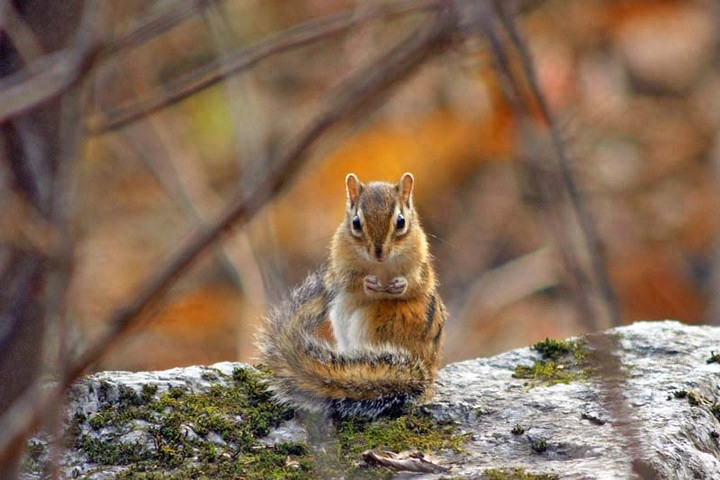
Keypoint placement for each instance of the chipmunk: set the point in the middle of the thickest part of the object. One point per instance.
(379, 294)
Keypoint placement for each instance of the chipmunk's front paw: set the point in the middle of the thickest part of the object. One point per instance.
(397, 286)
(373, 285)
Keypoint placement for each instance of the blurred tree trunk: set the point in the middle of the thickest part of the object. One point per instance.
(30, 149)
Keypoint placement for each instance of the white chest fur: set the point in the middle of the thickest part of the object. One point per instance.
(349, 323)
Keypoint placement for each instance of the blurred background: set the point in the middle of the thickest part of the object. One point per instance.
(634, 85)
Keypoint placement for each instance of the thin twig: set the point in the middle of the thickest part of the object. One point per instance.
(57, 319)
(508, 284)
(604, 347)
(241, 94)
(248, 120)
(52, 74)
(217, 71)
(19, 32)
(173, 162)
(544, 181)
(64, 190)
(587, 228)
(351, 95)
(156, 24)
(347, 98)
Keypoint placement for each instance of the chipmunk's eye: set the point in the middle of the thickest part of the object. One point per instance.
(400, 222)
(356, 223)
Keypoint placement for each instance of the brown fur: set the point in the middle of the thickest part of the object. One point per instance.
(391, 339)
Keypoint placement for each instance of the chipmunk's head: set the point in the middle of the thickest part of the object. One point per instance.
(380, 216)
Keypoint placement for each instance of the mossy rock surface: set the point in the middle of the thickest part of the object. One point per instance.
(219, 423)
(544, 411)
(484, 421)
(563, 361)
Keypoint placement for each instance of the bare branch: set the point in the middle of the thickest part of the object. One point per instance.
(360, 88)
(249, 120)
(536, 170)
(350, 96)
(588, 233)
(53, 74)
(174, 162)
(508, 284)
(63, 205)
(217, 71)
(45, 78)
(19, 32)
(36, 145)
(157, 24)
(604, 356)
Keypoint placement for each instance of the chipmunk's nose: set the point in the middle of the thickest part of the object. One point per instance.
(379, 252)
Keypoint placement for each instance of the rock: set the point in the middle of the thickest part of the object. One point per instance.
(679, 439)
(514, 425)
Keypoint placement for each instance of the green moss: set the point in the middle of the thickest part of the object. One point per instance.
(714, 357)
(545, 371)
(516, 473)
(562, 362)
(97, 421)
(539, 446)
(35, 450)
(694, 399)
(128, 396)
(239, 412)
(181, 422)
(553, 349)
(680, 393)
(175, 393)
(148, 392)
(109, 453)
(340, 443)
(34, 456)
(416, 430)
(517, 429)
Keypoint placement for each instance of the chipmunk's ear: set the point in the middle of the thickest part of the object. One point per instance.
(405, 186)
(354, 188)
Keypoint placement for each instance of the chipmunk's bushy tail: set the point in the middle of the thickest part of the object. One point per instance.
(309, 372)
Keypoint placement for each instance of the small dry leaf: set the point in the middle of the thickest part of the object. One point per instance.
(408, 461)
